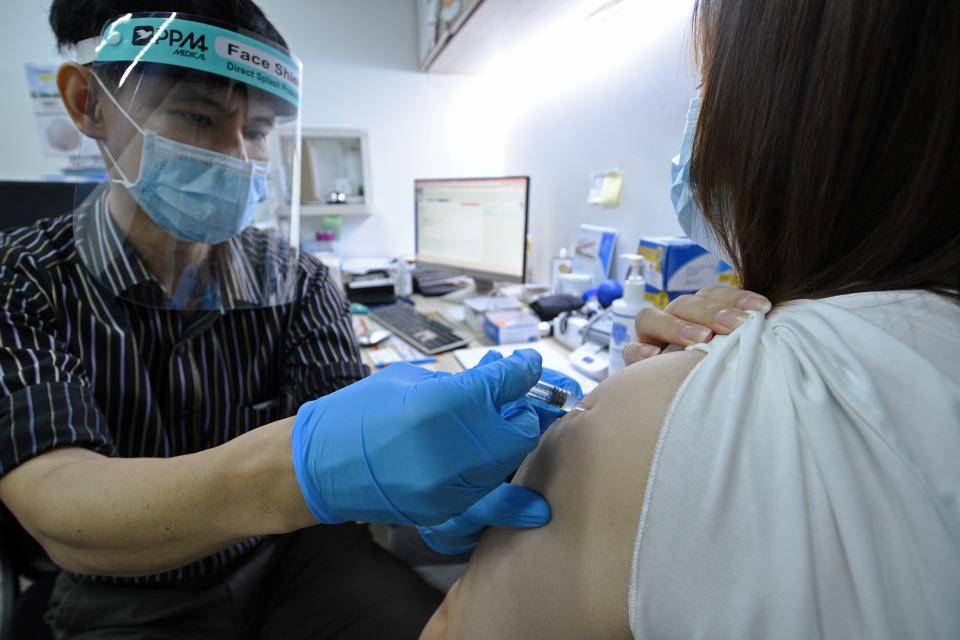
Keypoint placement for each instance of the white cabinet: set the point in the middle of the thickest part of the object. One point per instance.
(335, 171)
(439, 21)
(459, 36)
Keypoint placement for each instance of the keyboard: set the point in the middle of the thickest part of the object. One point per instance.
(426, 334)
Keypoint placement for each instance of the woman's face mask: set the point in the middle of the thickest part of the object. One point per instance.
(689, 214)
(195, 194)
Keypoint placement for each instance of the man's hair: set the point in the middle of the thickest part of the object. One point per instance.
(826, 154)
(75, 20)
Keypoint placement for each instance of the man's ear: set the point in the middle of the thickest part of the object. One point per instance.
(74, 82)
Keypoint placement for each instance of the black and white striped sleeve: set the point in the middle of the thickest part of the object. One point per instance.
(321, 351)
(47, 400)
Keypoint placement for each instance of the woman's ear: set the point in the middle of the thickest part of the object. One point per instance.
(74, 80)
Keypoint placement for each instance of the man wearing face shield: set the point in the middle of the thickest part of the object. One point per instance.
(182, 390)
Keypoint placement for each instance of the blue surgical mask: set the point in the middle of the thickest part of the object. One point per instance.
(689, 214)
(195, 194)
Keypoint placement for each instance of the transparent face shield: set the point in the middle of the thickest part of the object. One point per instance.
(199, 126)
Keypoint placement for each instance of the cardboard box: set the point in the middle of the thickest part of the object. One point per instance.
(511, 326)
(677, 264)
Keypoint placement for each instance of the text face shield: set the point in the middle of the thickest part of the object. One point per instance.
(200, 211)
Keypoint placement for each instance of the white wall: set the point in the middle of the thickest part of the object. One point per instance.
(614, 98)
(26, 37)
(360, 71)
(626, 110)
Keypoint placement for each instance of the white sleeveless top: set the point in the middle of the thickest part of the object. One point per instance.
(806, 483)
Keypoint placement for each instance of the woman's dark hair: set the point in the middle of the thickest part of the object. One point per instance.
(75, 20)
(827, 154)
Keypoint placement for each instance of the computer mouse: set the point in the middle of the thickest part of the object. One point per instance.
(373, 337)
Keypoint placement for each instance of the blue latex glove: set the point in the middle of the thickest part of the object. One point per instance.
(411, 446)
(508, 505)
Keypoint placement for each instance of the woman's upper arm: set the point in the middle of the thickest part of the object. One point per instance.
(571, 578)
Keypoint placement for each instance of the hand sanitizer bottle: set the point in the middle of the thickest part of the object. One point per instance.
(624, 312)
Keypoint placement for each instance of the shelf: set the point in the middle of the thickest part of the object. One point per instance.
(334, 210)
(332, 161)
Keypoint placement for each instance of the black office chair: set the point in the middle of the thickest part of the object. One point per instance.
(26, 202)
(22, 558)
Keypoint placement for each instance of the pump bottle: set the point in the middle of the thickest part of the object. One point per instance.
(624, 312)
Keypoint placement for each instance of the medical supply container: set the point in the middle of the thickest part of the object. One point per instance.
(511, 326)
(677, 264)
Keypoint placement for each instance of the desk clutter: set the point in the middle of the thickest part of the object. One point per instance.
(589, 316)
(386, 351)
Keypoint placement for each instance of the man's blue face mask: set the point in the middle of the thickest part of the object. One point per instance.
(195, 194)
(689, 214)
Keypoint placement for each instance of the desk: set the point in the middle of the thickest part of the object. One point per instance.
(447, 361)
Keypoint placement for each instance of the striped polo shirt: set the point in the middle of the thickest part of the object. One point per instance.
(87, 361)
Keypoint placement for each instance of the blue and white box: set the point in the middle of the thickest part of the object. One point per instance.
(511, 326)
(660, 299)
(677, 264)
(727, 275)
(594, 252)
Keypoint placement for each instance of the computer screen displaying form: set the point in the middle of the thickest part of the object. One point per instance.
(477, 226)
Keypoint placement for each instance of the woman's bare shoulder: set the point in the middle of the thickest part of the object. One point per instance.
(570, 579)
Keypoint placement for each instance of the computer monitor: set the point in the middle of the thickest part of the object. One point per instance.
(474, 226)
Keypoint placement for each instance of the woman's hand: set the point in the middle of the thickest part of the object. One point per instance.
(692, 319)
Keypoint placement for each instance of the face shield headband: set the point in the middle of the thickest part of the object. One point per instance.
(183, 42)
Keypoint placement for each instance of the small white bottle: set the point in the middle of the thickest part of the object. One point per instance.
(403, 279)
(559, 265)
(624, 312)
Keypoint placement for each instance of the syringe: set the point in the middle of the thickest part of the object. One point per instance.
(555, 396)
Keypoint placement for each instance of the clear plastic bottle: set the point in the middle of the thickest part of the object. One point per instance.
(403, 279)
(559, 265)
(326, 242)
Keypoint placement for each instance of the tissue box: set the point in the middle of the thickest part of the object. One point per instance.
(677, 264)
(511, 326)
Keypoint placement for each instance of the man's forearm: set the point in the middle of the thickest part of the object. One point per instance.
(140, 516)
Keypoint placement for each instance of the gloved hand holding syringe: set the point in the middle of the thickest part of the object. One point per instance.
(509, 505)
(412, 446)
